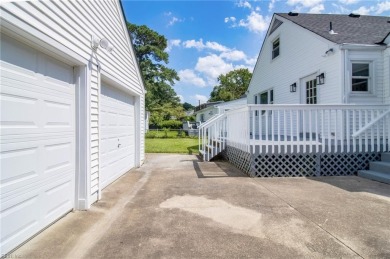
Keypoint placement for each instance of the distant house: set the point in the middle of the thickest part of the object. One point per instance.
(72, 110)
(323, 59)
(207, 110)
(318, 100)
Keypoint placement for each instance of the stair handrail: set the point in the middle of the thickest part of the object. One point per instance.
(370, 124)
(211, 120)
(203, 129)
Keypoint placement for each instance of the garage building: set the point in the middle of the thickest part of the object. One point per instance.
(72, 109)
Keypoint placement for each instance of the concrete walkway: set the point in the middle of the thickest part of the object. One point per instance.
(177, 207)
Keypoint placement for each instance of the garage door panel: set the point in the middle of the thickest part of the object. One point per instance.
(37, 141)
(58, 158)
(27, 165)
(58, 114)
(56, 201)
(27, 112)
(117, 134)
(24, 111)
(18, 167)
(23, 210)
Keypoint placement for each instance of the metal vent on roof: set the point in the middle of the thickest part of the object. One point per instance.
(354, 15)
(293, 14)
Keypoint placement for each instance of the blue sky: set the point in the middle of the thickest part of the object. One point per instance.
(209, 38)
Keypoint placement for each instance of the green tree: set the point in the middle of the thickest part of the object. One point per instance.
(150, 51)
(231, 85)
(188, 106)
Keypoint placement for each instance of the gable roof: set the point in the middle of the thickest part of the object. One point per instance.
(356, 30)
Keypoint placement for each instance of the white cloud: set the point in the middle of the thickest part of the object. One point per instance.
(348, 2)
(199, 45)
(271, 5)
(230, 19)
(212, 66)
(174, 20)
(383, 7)
(254, 22)
(258, 9)
(244, 4)
(216, 46)
(194, 44)
(188, 76)
(377, 9)
(234, 55)
(304, 3)
(362, 10)
(181, 98)
(317, 9)
(340, 9)
(173, 43)
(251, 61)
(201, 98)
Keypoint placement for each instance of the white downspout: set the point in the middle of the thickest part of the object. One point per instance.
(99, 131)
(345, 77)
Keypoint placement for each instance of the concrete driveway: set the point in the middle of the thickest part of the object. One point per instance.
(177, 207)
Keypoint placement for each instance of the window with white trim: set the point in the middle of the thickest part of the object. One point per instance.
(275, 48)
(267, 97)
(361, 78)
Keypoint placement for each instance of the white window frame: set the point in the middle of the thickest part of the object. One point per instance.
(273, 49)
(269, 100)
(370, 78)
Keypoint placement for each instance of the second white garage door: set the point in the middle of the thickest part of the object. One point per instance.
(117, 134)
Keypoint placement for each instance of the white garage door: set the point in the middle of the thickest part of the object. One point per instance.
(37, 141)
(117, 134)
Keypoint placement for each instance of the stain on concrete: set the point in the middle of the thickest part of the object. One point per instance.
(238, 218)
(291, 232)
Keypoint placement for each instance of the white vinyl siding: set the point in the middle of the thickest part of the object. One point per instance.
(299, 45)
(71, 24)
(62, 31)
(386, 76)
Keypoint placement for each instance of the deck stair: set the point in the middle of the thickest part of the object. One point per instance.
(379, 170)
(211, 137)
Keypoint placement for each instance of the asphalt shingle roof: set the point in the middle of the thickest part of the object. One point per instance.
(361, 30)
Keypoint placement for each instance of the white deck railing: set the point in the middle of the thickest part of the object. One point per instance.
(303, 128)
(212, 136)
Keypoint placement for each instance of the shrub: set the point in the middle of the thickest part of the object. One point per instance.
(151, 134)
(181, 134)
(171, 124)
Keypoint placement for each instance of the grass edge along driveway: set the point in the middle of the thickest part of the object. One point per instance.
(172, 145)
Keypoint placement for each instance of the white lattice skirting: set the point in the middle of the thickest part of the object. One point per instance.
(300, 165)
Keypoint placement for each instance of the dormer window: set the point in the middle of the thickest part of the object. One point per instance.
(275, 48)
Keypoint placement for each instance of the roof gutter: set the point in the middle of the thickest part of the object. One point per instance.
(352, 46)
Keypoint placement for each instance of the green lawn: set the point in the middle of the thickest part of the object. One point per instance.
(177, 145)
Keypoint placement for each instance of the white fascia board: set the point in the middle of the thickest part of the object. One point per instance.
(351, 46)
(130, 44)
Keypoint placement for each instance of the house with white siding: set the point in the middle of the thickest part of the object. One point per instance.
(318, 100)
(72, 110)
(346, 51)
(206, 111)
